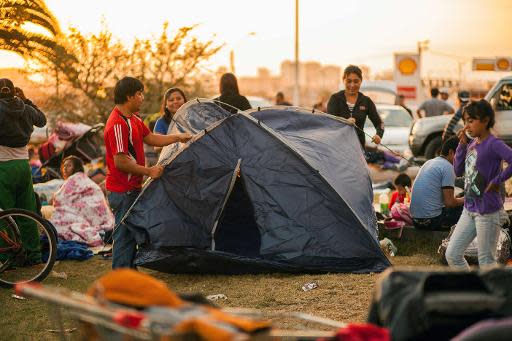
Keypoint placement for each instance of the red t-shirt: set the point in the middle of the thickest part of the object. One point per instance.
(395, 197)
(116, 135)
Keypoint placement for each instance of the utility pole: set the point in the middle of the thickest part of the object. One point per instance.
(232, 61)
(296, 88)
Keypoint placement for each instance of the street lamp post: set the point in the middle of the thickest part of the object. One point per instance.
(296, 88)
(232, 52)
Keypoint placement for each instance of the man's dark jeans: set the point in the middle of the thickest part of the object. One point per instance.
(125, 247)
(443, 222)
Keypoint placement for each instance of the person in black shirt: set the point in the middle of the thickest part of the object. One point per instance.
(354, 106)
(230, 94)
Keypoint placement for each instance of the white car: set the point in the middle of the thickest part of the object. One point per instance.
(397, 124)
(260, 102)
(255, 101)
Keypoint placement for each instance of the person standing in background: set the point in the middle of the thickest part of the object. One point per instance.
(18, 116)
(434, 106)
(230, 94)
(355, 106)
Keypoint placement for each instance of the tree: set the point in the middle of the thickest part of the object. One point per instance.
(83, 69)
(162, 63)
(15, 37)
(169, 61)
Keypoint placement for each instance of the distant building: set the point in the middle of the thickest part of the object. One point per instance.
(314, 80)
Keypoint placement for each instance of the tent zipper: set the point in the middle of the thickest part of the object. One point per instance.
(226, 197)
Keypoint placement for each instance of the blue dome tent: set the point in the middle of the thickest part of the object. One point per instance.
(268, 190)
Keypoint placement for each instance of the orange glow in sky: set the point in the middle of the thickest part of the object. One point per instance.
(331, 31)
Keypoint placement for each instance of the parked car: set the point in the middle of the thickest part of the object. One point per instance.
(260, 102)
(380, 91)
(425, 134)
(255, 101)
(397, 124)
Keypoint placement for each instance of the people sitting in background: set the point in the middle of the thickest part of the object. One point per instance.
(434, 106)
(81, 211)
(402, 184)
(230, 94)
(433, 203)
(280, 99)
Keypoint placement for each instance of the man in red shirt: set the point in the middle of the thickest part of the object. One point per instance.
(124, 136)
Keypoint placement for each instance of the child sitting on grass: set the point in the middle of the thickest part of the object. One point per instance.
(402, 184)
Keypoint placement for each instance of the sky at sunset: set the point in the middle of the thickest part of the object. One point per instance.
(332, 31)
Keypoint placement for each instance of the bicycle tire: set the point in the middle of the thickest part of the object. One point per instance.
(52, 244)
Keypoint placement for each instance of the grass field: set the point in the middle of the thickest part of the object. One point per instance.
(343, 297)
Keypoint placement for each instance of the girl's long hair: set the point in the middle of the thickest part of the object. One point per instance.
(166, 114)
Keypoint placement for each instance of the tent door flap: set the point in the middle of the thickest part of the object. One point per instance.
(226, 197)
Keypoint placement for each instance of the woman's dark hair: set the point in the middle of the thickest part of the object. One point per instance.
(125, 87)
(166, 114)
(78, 164)
(228, 84)
(480, 110)
(402, 180)
(353, 69)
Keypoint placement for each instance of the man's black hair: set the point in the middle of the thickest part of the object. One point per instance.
(450, 144)
(403, 180)
(125, 87)
(434, 92)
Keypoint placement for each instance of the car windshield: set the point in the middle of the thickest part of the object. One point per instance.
(393, 117)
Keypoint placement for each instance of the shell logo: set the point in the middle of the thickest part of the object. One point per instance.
(503, 64)
(407, 66)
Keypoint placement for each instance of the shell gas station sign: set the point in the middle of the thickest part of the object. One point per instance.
(503, 64)
(407, 75)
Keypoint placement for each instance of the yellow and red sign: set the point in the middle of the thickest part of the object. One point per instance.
(492, 64)
(407, 76)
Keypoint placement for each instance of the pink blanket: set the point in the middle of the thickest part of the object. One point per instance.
(81, 211)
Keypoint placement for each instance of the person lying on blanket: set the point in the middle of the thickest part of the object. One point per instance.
(81, 210)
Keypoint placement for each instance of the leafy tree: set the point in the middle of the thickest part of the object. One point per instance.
(83, 69)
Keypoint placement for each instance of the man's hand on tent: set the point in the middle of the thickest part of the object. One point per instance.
(351, 121)
(155, 172)
(158, 140)
(184, 137)
(376, 139)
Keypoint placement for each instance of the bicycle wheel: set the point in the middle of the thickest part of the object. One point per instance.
(19, 261)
